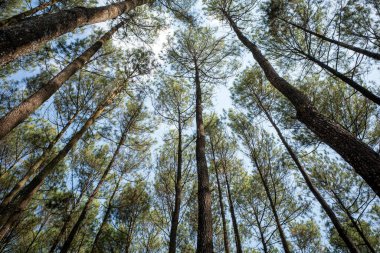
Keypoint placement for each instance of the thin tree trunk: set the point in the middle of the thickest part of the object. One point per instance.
(106, 216)
(221, 204)
(178, 193)
(354, 223)
(365, 52)
(204, 240)
(37, 164)
(21, 112)
(23, 38)
(262, 236)
(338, 226)
(232, 212)
(360, 156)
(19, 17)
(38, 233)
(284, 242)
(362, 90)
(13, 212)
(86, 208)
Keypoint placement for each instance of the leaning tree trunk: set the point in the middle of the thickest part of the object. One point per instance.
(232, 212)
(204, 240)
(21, 112)
(66, 246)
(13, 212)
(354, 223)
(338, 226)
(221, 204)
(359, 50)
(29, 35)
(362, 90)
(272, 204)
(178, 193)
(19, 17)
(106, 216)
(36, 165)
(360, 156)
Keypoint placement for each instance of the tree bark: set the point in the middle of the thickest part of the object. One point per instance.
(338, 226)
(204, 240)
(360, 156)
(232, 212)
(13, 212)
(36, 165)
(19, 17)
(86, 208)
(362, 90)
(365, 52)
(178, 193)
(21, 112)
(32, 33)
(221, 204)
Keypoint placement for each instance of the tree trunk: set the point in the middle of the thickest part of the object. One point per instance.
(284, 242)
(21, 112)
(261, 232)
(13, 212)
(24, 37)
(360, 156)
(36, 165)
(106, 216)
(204, 240)
(362, 90)
(354, 223)
(221, 204)
(232, 212)
(365, 52)
(86, 208)
(19, 17)
(178, 193)
(341, 231)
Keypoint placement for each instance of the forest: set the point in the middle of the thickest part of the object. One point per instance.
(203, 126)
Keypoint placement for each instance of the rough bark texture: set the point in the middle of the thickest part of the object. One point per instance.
(364, 91)
(360, 156)
(178, 193)
(370, 54)
(86, 208)
(221, 204)
(13, 212)
(232, 212)
(32, 33)
(338, 226)
(17, 18)
(21, 112)
(204, 240)
(37, 164)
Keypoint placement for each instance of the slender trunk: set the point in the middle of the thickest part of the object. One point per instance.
(364, 91)
(37, 234)
(17, 18)
(21, 112)
(221, 204)
(106, 216)
(13, 212)
(354, 223)
(360, 156)
(261, 232)
(178, 193)
(204, 240)
(23, 38)
(36, 165)
(86, 208)
(284, 242)
(338, 226)
(232, 212)
(365, 52)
